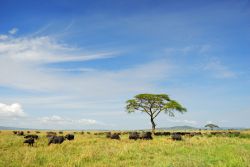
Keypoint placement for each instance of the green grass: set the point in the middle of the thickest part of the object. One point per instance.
(91, 150)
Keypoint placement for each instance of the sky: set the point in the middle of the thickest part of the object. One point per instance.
(73, 64)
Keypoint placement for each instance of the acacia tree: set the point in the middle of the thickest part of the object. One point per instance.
(211, 126)
(153, 105)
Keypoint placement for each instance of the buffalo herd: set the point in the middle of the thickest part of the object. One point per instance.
(52, 137)
(133, 135)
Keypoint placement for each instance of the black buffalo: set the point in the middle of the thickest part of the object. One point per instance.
(56, 140)
(115, 136)
(162, 133)
(176, 136)
(146, 136)
(70, 136)
(134, 136)
(30, 141)
(31, 136)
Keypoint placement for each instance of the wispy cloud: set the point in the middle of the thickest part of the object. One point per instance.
(3, 37)
(219, 70)
(45, 50)
(26, 57)
(57, 120)
(188, 50)
(13, 31)
(183, 121)
(23, 67)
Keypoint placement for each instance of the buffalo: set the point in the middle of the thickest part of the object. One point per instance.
(134, 136)
(115, 136)
(146, 136)
(176, 136)
(31, 136)
(70, 136)
(30, 141)
(162, 133)
(56, 140)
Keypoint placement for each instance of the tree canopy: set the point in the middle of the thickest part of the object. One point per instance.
(153, 105)
(211, 126)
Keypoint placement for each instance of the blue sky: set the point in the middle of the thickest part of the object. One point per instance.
(73, 64)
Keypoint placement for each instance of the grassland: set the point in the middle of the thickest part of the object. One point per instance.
(98, 151)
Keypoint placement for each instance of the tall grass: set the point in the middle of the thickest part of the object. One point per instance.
(92, 150)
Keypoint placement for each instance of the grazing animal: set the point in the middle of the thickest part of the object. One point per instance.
(14, 132)
(70, 136)
(162, 133)
(176, 136)
(50, 134)
(30, 141)
(31, 136)
(56, 140)
(166, 133)
(20, 133)
(217, 133)
(146, 136)
(134, 136)
(158, 133)
(115, 136)
(28, 131)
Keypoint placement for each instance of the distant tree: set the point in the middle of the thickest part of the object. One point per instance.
(153, 105)
(211, 126)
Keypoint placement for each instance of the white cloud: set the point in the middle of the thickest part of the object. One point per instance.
(57, 120)
(3, 37)
(22, 63)
(183, 121)
(45, 50)
(13, 31)
(87, 121)
(11, 111)
(201, 49)
(219, 70)
(23, 67)
(71, 69)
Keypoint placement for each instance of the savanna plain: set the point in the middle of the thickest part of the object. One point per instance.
(95, 150)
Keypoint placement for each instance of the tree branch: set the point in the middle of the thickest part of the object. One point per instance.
(157, 114)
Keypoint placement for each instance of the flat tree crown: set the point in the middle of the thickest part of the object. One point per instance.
(212, 126)
(153, 104)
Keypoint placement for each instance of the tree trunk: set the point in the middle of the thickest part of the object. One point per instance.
(153, 124)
